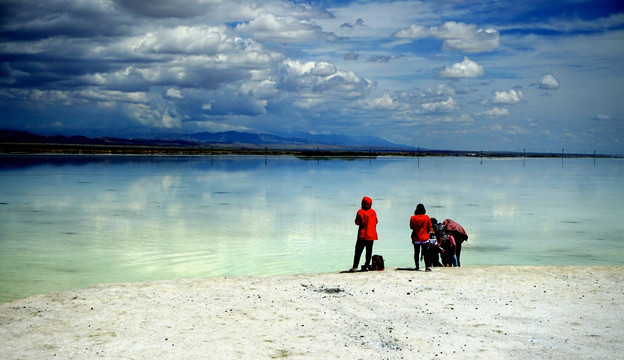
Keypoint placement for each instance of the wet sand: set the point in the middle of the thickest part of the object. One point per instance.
(457, 313)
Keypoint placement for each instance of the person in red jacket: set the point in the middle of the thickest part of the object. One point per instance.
(421, 227)
(366, 220)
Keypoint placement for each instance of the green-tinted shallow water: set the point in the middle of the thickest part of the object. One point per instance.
(69, 222)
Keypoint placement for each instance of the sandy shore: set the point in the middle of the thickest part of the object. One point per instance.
(463, 313)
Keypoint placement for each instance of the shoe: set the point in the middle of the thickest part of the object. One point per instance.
(365, 268)
(428, 269)
(417, 268)
(352, 270)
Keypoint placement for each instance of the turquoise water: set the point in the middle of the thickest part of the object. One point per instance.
(70, 222)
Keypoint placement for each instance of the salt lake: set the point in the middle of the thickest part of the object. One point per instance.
(74, 221)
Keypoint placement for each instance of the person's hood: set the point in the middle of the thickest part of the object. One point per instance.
(367, 203)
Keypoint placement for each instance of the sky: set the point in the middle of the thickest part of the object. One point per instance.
(507, 75)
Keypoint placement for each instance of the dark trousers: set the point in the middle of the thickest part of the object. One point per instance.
(459, 239)
(359, 247)
(427, 254)
(458, 251)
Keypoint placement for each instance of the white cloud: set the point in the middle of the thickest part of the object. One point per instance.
(323, 68)
(507, 97)
(440, 106)
(315, 78)
(465, 118)
(495, 112)
(182, 57)
(413, 32)
(414, 102)
(456, 35)
(112, 95)
(288, 30)
(549, 82)
(48, 96)
(384, 102)
(183, 40)
(464, 69)
(174, 93)
(170, 122)
(453, 30)
(482, 40)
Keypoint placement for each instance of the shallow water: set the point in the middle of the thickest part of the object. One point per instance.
(69, 222)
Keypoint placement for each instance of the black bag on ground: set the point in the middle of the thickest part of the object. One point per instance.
(377, 263)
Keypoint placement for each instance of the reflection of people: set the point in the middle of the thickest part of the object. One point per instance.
(366, 219)
(420, 224)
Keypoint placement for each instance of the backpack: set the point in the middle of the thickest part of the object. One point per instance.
(446, 244)
(439, 229)
(377, 263)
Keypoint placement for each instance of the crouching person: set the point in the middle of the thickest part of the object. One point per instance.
(448, 251)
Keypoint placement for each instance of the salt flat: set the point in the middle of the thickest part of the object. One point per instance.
(505, 312)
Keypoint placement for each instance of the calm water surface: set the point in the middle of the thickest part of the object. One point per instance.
(70, 222)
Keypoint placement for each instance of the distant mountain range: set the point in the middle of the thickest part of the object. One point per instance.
(299, 140)
(15, 141)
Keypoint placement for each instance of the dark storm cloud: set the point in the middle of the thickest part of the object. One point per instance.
(164, 8)
(33, 20)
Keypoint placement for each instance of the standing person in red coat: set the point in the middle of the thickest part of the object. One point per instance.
(421, 227)
(366, 220)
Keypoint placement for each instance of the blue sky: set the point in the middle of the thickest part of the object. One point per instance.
(463, 75)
